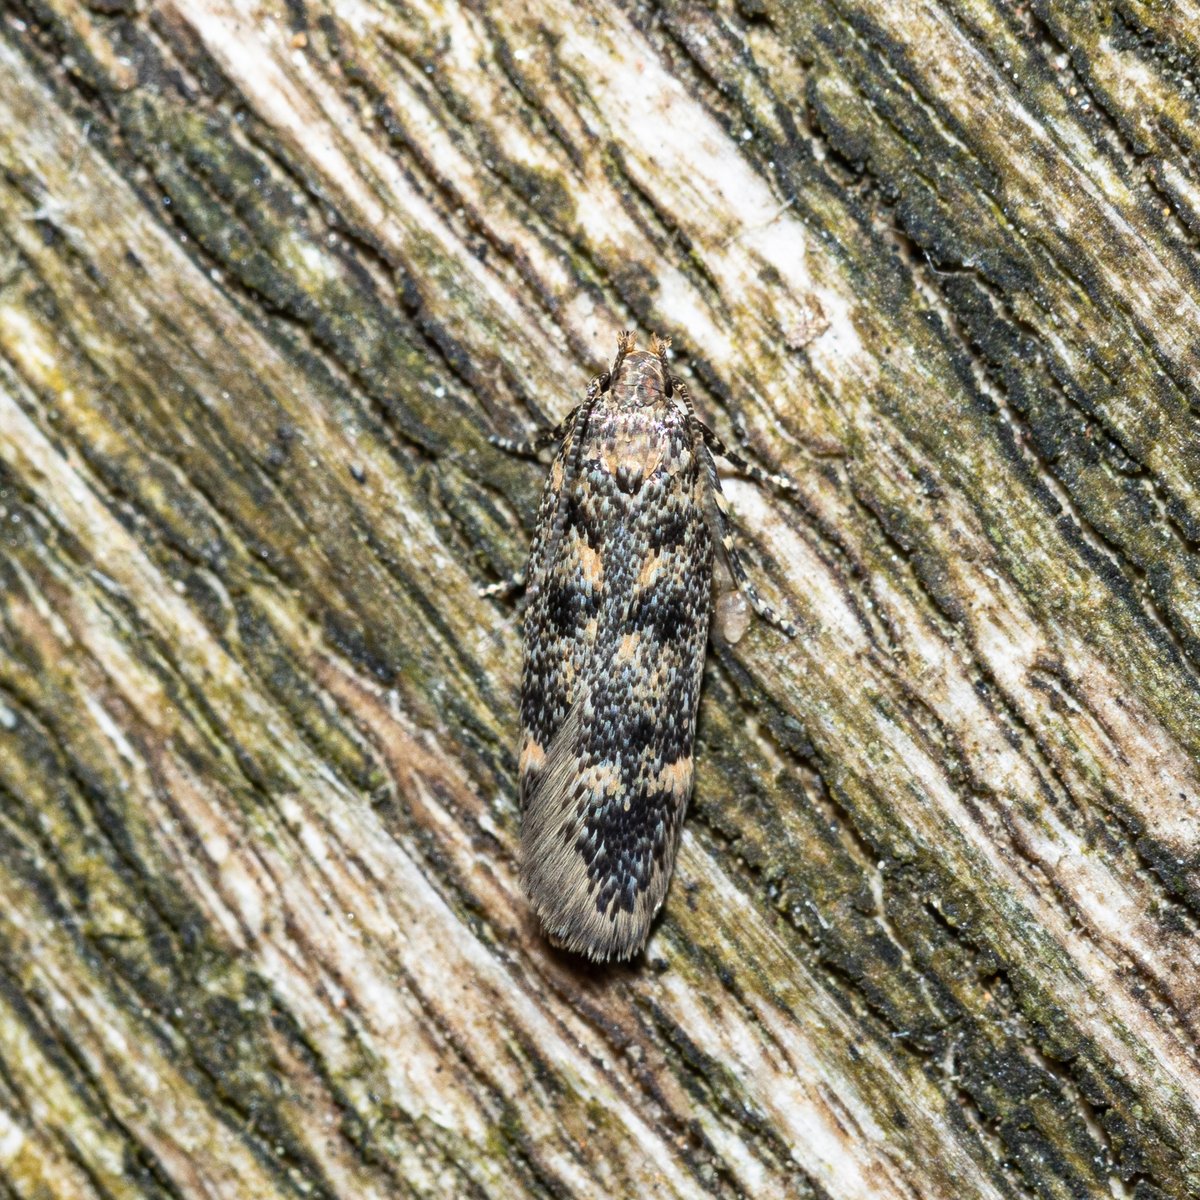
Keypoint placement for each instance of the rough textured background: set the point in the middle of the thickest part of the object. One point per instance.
(270, 274)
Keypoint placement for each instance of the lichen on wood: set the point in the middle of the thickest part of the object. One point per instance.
(270, 275)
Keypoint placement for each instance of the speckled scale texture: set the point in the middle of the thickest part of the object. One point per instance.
(615, 635)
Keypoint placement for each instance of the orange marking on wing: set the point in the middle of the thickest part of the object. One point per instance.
(590, 565)
(628, 648)
(532, 756)
(650, 569)
(645, 459)
(675, 777)
(602, 779)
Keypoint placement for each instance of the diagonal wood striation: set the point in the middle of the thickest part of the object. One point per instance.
(270, 275)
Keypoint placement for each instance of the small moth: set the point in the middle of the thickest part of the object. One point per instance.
(616, 627)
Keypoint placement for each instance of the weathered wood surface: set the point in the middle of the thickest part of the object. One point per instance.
(269, 275)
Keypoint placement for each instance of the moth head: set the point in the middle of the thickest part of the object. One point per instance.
(641, 377)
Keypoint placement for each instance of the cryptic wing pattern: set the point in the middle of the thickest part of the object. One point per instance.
(615, 636)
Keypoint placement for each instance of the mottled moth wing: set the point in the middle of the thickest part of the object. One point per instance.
(615, 638)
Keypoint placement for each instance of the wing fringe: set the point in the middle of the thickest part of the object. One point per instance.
(554, 872)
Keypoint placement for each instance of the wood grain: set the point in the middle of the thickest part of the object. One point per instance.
(269, 276)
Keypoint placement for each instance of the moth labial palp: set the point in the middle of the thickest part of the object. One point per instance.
(619, 609)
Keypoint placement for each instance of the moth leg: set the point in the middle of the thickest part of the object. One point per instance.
(544, 437)
(526, 449)
(505, 587)
(749, 469)
(717, 512)
(721, 527)
(540, 440)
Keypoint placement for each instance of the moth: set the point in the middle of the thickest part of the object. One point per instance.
(619, 604)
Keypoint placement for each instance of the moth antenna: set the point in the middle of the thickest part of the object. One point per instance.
(679, 386)
(570, 475)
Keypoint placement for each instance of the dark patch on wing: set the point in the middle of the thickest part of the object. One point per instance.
(672, 529)
(665, 613)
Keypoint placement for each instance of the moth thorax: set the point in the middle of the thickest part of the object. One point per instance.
(640, 381)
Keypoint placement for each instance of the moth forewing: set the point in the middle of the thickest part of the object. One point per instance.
(620, 603)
